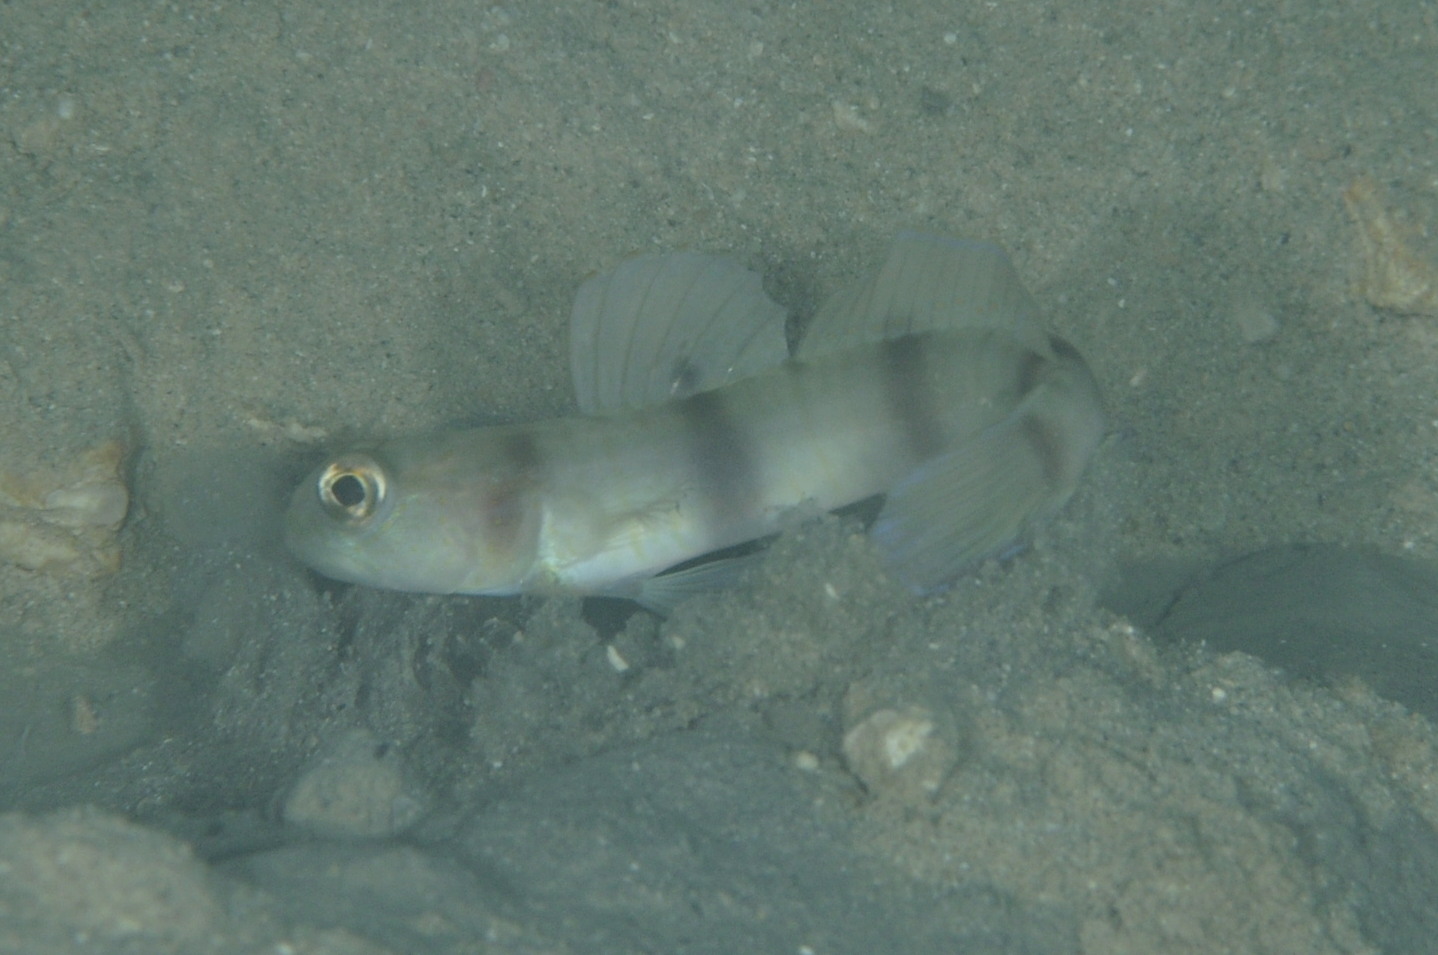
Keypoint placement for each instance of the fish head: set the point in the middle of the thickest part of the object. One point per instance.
(410, 516)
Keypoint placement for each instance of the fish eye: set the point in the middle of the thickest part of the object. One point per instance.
(351, 489)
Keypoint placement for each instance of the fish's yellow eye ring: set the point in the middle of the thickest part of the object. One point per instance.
(352, 488)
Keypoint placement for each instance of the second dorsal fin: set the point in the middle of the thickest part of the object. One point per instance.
(928, 283)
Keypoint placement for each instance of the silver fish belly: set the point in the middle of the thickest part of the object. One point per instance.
(932, 383)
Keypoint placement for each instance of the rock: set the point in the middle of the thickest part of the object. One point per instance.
(357, 789)
(64, 522)
(1395, 277)
(900, 751)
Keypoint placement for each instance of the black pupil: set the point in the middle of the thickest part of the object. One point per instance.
(348, 490)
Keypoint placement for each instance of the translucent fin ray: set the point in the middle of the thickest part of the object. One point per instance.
(659, 327)
(928, 283)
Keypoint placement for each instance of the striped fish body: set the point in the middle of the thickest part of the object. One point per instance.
(986, 428)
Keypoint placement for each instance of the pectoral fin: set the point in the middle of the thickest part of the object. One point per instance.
(980, 498)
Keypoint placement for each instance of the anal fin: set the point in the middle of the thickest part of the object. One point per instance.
(663, 593)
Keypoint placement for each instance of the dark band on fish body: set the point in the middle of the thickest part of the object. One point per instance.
(1048, 443)
(522, 450)
(720, 455)
(505, 498)
(1063, 349)
(907, 394)
(1031, 365)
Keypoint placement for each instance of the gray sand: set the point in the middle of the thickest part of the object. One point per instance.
(233, 237)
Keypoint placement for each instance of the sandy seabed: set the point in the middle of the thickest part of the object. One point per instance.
(233, 237)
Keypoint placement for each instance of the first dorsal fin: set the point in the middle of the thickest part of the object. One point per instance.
(658, 327)
(928, 283)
